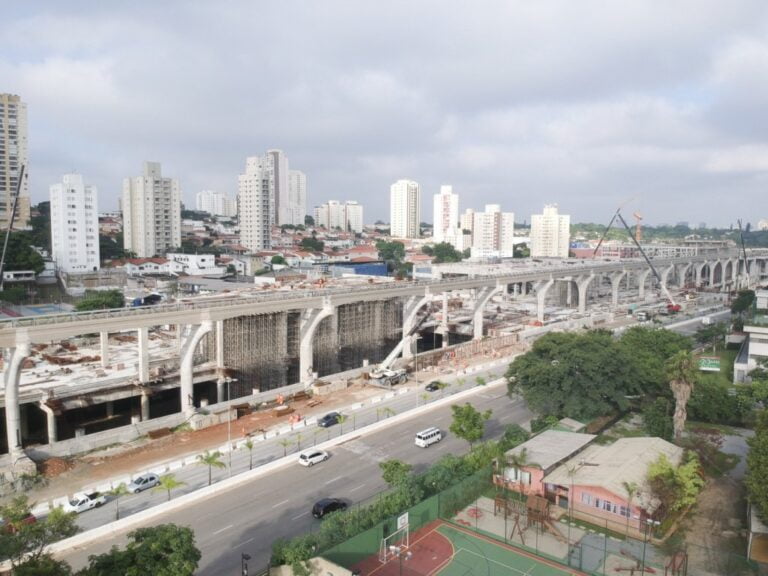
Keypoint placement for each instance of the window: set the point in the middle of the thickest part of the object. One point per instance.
(586, 498)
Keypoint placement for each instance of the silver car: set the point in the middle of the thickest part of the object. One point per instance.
(143, 482)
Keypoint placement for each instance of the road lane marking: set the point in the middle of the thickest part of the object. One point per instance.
(280, 503)
(300, 515)
(220, 530)
(332, 480)
(245, 542)
(357, 487)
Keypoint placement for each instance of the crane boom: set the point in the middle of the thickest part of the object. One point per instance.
(744, 251)
(11, 218)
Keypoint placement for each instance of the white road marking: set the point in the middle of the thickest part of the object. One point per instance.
(220, 530)
(357, 487)
(246, 542)
(280, 504)
(300, 515)
(332, 480)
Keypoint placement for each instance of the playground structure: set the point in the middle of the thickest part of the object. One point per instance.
(535, 510)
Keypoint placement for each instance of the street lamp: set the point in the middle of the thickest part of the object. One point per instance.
(244, 564)
(229, 380)
(650, 524)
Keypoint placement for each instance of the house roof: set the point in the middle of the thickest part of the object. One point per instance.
(363, 260)
(552, 447)
(611, 466)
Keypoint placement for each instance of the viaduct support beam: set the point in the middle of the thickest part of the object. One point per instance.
(310, 320)
(641, 278)
(583, 284)
(187, 363)
(482, 298)
(12, 410)
(50, 418)
(541, 296)
(104, 341)
(665, 276)
(682, 273)
(615, 283)
(143, 355)
(410, 310)
(219, 345)
(144, 406)
(700, 273)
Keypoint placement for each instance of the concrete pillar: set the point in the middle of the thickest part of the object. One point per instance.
(541, 295)
(615, 282)
(110, 409)
(524, 288)
(219, 344)
(220, 390)
(104, 341)
(444, 323)
(310, 320)
(144, 355)
(482, 297)
(187, 364)
(144, 406)
(665, 276)
(12, 412)
(50, 417)
(410, 310)
(583, 284)
(641, 278)
(568, 293)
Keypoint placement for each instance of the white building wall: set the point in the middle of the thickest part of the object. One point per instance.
(255, 198)
(13, 153)
(493, 233)
(445, 213)
(151, 212)
(405, 209)
(297, 197)
(354, 216)
(216, 203)
(75, 225)
(550, 233)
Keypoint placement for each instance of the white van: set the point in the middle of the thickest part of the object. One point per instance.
(428, 436)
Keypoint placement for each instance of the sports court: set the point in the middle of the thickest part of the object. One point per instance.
(441, 549)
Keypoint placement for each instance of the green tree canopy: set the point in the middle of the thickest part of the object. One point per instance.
(648, 348)
(277, 259)
(20, 254)
(743, 301)
(101, 300)
(309, 220)
(395, 472)
(311, 244)
(468, 423)
(712, 334)
(393, 253)
(445, 252)
(757, 466)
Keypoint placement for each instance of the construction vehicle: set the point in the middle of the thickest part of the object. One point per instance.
(388, 378)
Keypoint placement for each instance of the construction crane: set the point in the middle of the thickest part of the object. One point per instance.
(11, 218)
(744, 251)
(638, 230)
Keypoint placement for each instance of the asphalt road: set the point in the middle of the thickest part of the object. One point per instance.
(249, 518)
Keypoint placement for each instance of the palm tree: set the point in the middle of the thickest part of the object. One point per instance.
(424, 398)
(631, 488)
(519, 460)
(341, 420)
(119, 490)
(211, 459)
(285, 442)
(249, 445)
(298, 441)
(681, 373)
(168, 483)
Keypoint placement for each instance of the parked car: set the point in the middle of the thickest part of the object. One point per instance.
(313, 456)
(326, 506)
(13, 527)
(329, 420)
(432, 386)
(143, 482)
(81, 502)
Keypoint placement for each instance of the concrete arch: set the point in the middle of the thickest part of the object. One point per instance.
(641, 279)
(309, 322)
(615, 283)
(582, 283)
(482, 298)
(410, 311)
(187, 360)
(11, 378)
(682, 273)
(541, 294)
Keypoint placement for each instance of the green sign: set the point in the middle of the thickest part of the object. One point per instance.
(709, 364)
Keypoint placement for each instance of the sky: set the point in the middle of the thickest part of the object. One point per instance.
(656, 105)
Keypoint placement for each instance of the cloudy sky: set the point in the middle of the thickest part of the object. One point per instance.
(586, 104)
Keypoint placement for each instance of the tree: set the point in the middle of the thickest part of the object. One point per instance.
(311, 244)
(341, 418)
(743, 301)
(248, 444)
(168, 482)
(28, 539)
(110, 248)
(445, 252)
(427, 249)
(211, 459)
(277, 259)
(631, 488)
(20, 254)
(285, 443)
(164, 550)
(757, 465)
(393, 253)
(118, 491)
(45, 565)
(681, 373)
(514, 435)
(101, 300)
(711, 335)
(309, 220)
(676, 487)
(657, 418)
(519, 460)
(469, 424)
(395, 472)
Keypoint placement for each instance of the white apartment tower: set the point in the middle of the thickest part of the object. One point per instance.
(333, 214)
(74, 225)
(445, 214)
(289, 189)
(151, 208)
(493, 233)
(256, 204)
(550, 234)
(405, 209)
(13, 153)
(297, 197)
(215, 203)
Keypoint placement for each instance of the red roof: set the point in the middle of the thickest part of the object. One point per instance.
(363, 259)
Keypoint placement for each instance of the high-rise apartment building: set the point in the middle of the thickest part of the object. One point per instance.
(297, 197)
(215, 203)
(445, 216)
(13, 153)
(333, 214)
(405, 209)
(493, 233)
(550, 233)
(289, 189)
(151, 208)
(74, 225)
(256, 203)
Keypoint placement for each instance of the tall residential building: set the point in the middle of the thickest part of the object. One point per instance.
(405, 209)
(297, 197)
(74, 225)
(277, 163)
(151, 208)
(467, 220)
(445, 214)
(493, 233)
(333, 214)
(256, 203)
(550, 234)
(215, 203)
(13, 153)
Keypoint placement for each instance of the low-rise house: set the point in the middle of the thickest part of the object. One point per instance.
(755, 347)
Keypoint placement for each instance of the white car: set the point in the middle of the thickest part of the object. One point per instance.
(143, 482)
(312, 457)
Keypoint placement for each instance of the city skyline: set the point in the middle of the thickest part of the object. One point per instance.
(585, 105)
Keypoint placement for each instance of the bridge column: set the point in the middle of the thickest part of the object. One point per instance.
(219, 345)
(641, 278)
(583, 284)
(699, 273)
(50, 417)
(187, 364)
(541, 295)
(568, 293)
(12, 409)
(665, 276)
(144, 406)
(410, 310)
(143, 355)
(104, 341)
(481, 299)
(310, 320)
(615, 282)
(683, 273)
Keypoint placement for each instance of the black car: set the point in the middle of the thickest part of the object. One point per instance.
(329, 419)
(432, 386)
(326, 506)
